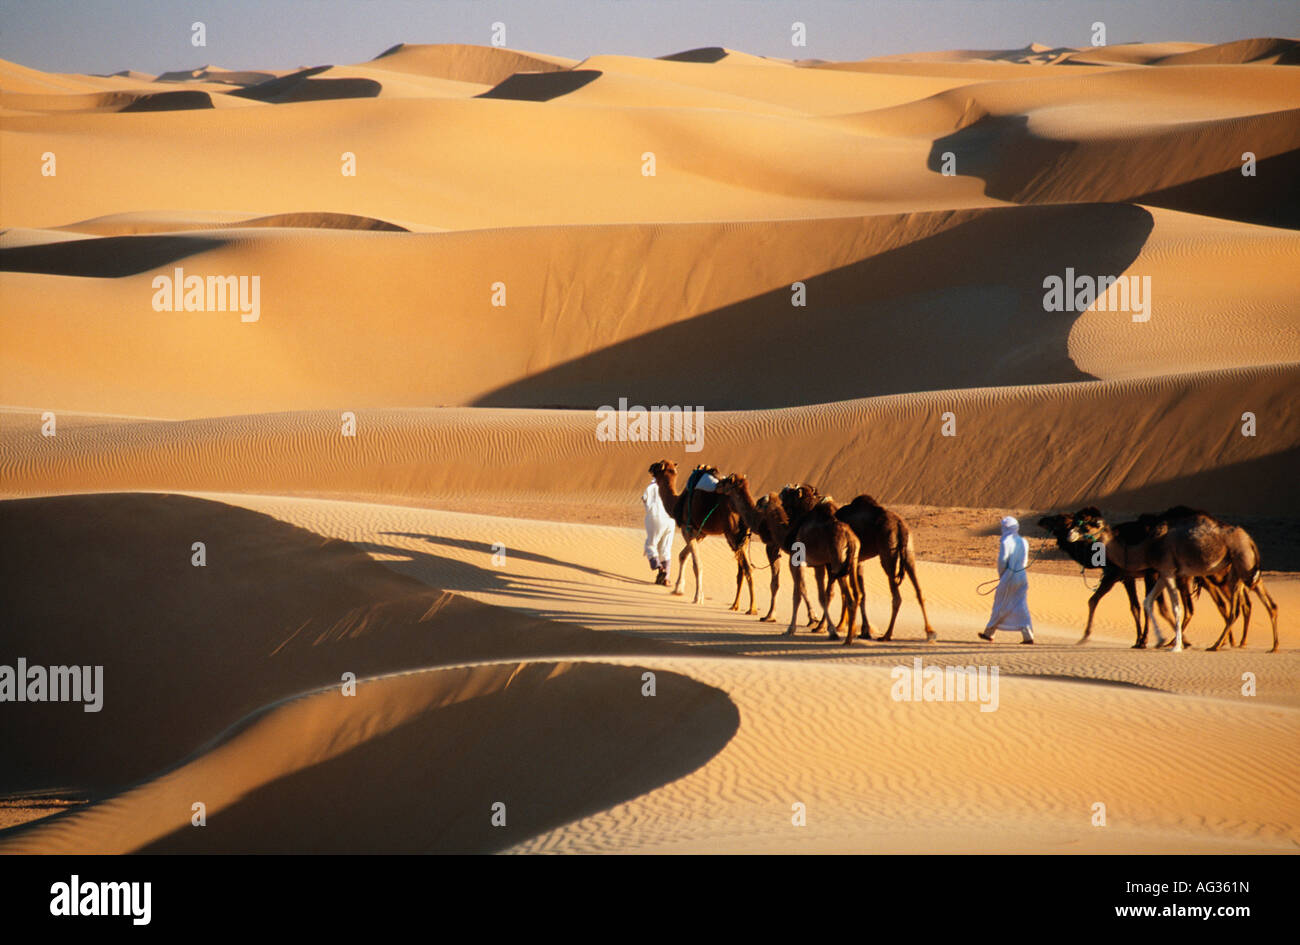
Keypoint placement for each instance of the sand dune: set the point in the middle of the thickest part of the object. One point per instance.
(893, 334)
(892, 447)
(303, 86)
(240, 641)
(466, 251)
(859, 780)
(482, 64)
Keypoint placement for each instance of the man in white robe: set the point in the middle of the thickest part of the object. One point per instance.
(659, 528)
(1011, 601)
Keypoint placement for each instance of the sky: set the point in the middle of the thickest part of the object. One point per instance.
(100, 36)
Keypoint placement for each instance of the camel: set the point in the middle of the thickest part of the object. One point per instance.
(707, 513)
(818, 539)
(1185, 542)
(1230, 583)
(1075, 534)
(766, 518)
(1224, 589)
(881, 532)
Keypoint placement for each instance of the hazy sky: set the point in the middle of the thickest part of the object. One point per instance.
(154, 35)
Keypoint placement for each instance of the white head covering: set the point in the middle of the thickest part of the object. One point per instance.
(1010, 526)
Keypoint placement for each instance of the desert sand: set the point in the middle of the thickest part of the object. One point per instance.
(501, 265)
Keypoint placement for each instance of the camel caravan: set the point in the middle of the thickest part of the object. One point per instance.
(809, 528)
(1177, 553)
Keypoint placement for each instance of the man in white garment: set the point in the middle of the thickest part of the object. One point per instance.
(658, 532)
(1011, 602)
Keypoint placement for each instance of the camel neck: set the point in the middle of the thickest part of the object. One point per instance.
(666, 493)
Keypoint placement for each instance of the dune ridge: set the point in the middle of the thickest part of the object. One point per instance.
(891, 446)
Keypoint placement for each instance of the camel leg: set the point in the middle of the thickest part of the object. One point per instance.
(1145, 629)
(1147, 605)
(909, 567)
(742, 572)
(740, 583)
(1164, 612)
(890, 565)
(1171, 588)
(850, 610)
(849, 605)
(808, 606)
(862, 602)
(798, 592)
(824, 588)
(817, 621)
(681, 564)
(1245, 614)
(1229, 611)
(1270, 605)
(1108, 580)
(749, 581)
(1185, 595)
(1226, 603)
(695, 568)
(1229, 615)
(849, 592)
(774, 565)
(854, 578)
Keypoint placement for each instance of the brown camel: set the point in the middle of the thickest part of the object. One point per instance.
(1077, 532)
(1185, 542)
(881, 532)
(766, 518)
(698, 515)
(818, 539)
(1230, 584)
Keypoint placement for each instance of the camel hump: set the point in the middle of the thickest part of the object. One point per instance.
(1185, 511)
(1134, 533)
(821, 513)
(867, 500)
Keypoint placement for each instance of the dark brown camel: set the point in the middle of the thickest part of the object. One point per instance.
(882, 533)
(1185, 542)
(707, 513)
(766, 518)
(820, 540)
(1245, 548)
(1223, 587)
(1076, 533)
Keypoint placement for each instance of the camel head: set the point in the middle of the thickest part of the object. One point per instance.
(665, 468)
(1075, 532)
(733, 484)
(797, 499)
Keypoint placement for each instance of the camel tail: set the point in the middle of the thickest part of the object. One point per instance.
(844, 570)
(906, 559)
(1256, 567)
(848, 567)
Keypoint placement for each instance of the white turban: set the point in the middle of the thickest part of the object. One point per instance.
(1010, 526)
